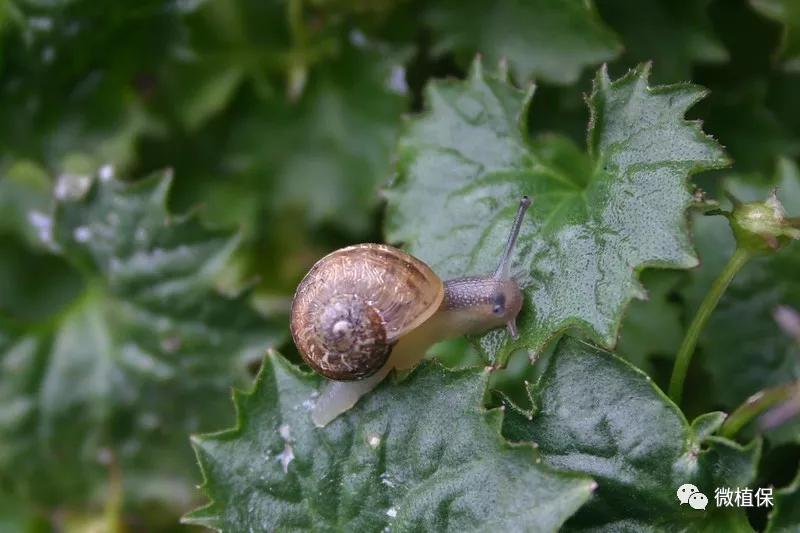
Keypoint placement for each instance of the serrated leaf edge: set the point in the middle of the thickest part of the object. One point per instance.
(494, 419)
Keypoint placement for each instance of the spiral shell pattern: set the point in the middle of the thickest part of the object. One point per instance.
(355, 303)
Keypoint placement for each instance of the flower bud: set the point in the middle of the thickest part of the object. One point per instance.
(762, 227)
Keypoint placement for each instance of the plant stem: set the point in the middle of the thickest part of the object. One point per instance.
(298, 68)
(754, 406)
(297, 28)
(684, 357)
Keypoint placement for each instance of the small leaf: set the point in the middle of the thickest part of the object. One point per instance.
(595, 414)
(560, 38)
(596, 219)
(420, 455)
(129, 368)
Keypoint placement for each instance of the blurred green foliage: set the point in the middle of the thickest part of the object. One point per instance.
(279, 119)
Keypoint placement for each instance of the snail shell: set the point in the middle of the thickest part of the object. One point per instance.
(355, 303)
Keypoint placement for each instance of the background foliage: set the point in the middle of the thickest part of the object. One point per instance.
(170, 169)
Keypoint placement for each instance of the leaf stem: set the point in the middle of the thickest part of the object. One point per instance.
(684, 357)
(754, 406)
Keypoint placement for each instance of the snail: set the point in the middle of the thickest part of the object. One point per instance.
(366, 309)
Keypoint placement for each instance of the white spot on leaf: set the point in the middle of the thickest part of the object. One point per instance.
(72, 186)
(308, 403)
(106, 172)
(43, 225)
(287, 455)
(397, 80)
(82, 234)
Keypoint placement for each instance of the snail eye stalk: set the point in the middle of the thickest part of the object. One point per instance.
(502, 271)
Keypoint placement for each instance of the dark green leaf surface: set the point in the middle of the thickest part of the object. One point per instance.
(416, 456)
(674, 34)
(751, 132)
(786, 12)
(596, 219)
(551, 41)
(326, 154)
(136, 362)
(226, 42)
(652, 327)
(593, 413)
(744, 350)
(785, 517)
(24, 195)
(72, 79)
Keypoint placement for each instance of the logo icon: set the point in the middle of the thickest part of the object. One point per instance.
(685, 491)
(688, 493)
(698, 501)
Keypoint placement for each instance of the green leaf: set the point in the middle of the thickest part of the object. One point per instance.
(15, 517)
(420, 455)
(136, 362)
(325, 155)
(786, 12)
(34, 285)
(596, 220)
(226, 42)
(24, 195)
(674, 34)
(74, 76)
(785, 516)
(552, 41)
(743, 348)
(595, 414)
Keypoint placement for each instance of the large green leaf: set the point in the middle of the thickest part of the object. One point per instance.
(787, 12)
(135, 362)
(593, 413)
(596, 219)
(421, 455)
(743, 348)
(552, 41)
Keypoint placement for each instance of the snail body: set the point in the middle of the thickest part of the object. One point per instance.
(364, 310)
